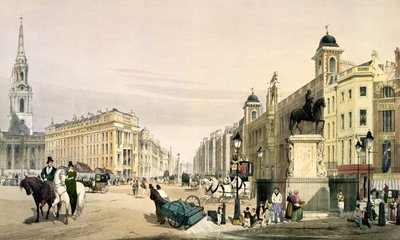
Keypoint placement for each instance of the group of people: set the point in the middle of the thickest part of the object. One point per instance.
(47, 175)
(271, 211)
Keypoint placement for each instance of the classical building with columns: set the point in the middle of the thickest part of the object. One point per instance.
(103, 140)
(21, 148)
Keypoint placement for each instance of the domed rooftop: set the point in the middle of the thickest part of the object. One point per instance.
(252, 98)
(328, 41)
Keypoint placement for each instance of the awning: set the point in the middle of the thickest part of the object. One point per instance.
(392, 180)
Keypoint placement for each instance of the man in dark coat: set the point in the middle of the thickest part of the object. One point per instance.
(47, 176)
(158, 201)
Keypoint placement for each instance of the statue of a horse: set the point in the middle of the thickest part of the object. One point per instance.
(62, 195)
(298, 115)
(41, 194)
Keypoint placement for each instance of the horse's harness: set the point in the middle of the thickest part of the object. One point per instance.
(212, 191)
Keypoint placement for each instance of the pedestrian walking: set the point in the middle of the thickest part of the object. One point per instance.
(289, 207)
(276, 203)
(247, 218)
(340, 199)
(158, 202)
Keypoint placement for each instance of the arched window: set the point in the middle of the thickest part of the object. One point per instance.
(253, 115)
(332, 65)
(21, 105)
(387, 92)
(21, 74)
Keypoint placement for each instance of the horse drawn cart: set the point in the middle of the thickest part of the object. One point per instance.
(99, 184)
(181, 213)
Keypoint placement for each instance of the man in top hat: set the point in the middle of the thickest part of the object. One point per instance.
(47, 175)
(70, 182)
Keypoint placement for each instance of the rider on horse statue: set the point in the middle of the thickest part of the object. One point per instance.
(308, 106)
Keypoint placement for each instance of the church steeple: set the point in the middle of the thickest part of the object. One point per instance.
(21, 115)
(21, 58)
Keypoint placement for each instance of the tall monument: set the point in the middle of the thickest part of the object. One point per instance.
(307, 171)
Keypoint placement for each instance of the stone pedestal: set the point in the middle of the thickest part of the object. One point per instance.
(307, 173)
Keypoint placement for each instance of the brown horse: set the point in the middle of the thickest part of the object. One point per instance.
(41, 194)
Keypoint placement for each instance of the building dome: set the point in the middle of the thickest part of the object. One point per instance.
(328, 41)
(252, 98)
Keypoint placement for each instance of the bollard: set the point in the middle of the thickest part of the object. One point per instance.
(398, 214)
(381, 219)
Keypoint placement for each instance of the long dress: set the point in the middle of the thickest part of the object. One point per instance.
(297, 213)
(289, 208)
(70, 182)
(393, 211)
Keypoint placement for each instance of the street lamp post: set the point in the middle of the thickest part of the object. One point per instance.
(358, 148)
(260, 153)
(237, 141)
(369, 138)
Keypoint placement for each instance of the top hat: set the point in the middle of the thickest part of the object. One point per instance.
(70, 164)
(151, 186)
(49, 159)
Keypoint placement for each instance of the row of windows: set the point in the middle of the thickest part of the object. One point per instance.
(362, 122)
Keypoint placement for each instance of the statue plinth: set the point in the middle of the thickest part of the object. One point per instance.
(307, 172)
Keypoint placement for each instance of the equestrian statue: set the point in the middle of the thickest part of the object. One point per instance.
(309, 113)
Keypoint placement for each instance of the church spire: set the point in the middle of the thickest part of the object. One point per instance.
(21, 52)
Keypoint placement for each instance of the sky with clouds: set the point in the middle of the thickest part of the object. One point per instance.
(184, 67)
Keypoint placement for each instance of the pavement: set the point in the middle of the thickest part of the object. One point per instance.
(309, 228)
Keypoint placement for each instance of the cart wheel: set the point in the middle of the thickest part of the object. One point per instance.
(193, 200)
(178, 211)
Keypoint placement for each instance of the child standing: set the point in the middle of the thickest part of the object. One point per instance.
(247, 218)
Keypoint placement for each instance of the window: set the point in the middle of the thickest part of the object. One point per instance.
(350, 119)
(387, 92)
(386, 156)
(332, 65)
(342, 118)
(350, 150)
(253, 115)
(349, 93)
(363, 117)
(342, 145)
(333, 104)
(333, 130)
(333, 153)
(363, 91)
(342, 96)
(22, 76)
(329, 104)
(21, 105)
(388, 121)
